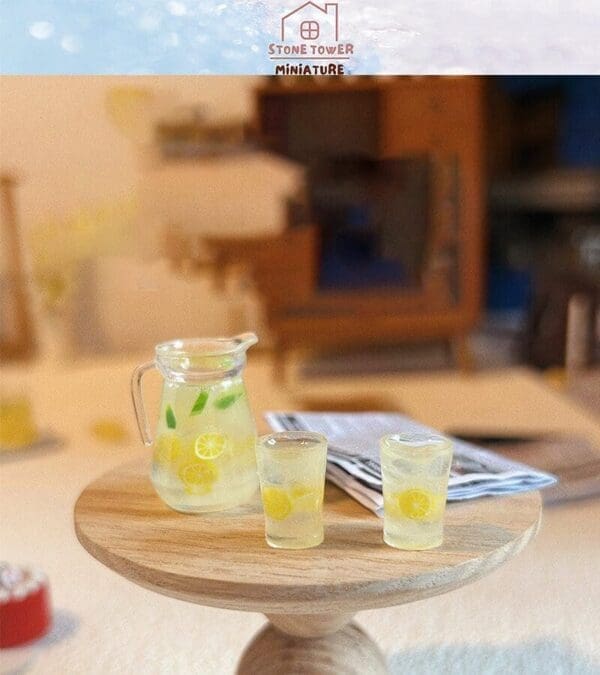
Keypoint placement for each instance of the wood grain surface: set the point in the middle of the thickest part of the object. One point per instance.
(349, 651)
(222, 559)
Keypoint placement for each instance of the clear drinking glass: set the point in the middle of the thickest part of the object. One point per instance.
(415, 470)
(204, 448)
(291, 471)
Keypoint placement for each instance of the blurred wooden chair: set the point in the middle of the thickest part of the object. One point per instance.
(283, 267)
(16, 324)
(184, 251)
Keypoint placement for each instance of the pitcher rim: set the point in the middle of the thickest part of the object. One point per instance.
(184, 346)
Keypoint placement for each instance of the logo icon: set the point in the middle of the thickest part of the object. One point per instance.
(310, 21)
(310, 33)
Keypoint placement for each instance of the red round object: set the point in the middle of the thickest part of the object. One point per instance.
(25, 612)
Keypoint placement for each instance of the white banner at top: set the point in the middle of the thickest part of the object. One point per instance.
(288, 37)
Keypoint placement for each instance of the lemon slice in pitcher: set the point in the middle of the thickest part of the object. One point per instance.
(199, 477)
(210, 445)
(167, 449)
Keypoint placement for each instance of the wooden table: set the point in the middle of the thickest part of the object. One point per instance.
(309, 596)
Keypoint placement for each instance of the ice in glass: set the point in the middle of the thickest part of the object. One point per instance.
(415, 470)
(291, 470)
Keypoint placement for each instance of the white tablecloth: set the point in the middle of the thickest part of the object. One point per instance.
(539, 613)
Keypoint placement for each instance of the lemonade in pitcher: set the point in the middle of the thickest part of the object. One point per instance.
(204, 447)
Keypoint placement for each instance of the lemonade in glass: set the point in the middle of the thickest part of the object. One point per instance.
(415, 470)
(291, 469)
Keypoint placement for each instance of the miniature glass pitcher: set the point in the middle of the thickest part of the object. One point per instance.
(204, 449)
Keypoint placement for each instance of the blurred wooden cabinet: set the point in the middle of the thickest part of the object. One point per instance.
(437, 121)
(16, 323)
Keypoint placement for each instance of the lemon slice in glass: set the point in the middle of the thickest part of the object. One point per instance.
(417, 503)
(210, 445)
(276, 503)
(306, 498)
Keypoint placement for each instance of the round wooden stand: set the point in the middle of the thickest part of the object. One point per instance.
(309, 596)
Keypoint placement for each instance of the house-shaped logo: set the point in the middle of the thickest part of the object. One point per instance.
(310, 22)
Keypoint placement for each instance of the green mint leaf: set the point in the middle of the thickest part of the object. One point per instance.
(227, 401)
(170, 416)
(200, 403)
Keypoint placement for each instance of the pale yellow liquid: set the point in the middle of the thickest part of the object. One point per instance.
(292, 488)
(302, 527)
(414, 513)
(185, 473)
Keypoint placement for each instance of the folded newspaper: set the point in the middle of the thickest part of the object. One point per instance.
(353, 457)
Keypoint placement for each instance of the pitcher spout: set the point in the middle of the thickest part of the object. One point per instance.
(246, 340)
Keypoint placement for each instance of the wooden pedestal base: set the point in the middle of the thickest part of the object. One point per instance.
(312, 645)
(221, 560)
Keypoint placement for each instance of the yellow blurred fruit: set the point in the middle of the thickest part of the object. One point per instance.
(17, 429)
(111, 431)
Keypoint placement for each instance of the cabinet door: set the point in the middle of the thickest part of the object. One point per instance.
(425, 115)
(443, 118)
(16, 323)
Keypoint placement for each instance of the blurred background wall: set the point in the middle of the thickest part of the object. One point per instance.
(362, 212)
(76, 152)
(57, 133)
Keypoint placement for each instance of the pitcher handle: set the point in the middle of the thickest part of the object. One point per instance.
(138, 401)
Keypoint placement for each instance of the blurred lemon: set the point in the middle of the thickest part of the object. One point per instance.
(17, 429)
(110, 431)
